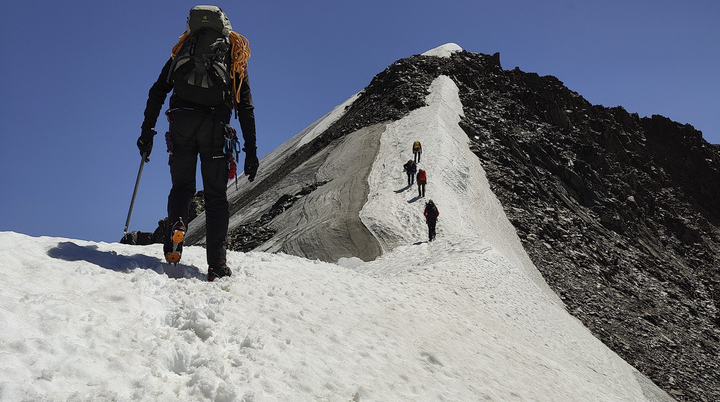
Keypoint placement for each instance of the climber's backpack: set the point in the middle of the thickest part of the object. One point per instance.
(421, 176)
(200, 70)
(432, 211)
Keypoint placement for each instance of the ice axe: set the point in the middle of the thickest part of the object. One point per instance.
(137, 184)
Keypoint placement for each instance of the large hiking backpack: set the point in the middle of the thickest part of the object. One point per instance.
(200, 71)
(431, 210)
(421, 176)
(410, 166)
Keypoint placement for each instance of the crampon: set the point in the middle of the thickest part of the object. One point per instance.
(177, 235)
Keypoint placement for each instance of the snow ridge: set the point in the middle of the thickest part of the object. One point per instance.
(456, 182)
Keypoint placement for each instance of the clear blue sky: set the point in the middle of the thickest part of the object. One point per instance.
(75, 77)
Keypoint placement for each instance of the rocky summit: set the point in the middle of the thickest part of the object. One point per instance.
(620, 213)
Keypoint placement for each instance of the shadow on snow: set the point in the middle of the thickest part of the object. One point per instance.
(113, 261)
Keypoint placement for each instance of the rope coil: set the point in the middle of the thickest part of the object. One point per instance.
(239, 55)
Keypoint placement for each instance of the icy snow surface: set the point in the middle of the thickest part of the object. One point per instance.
(463, 318)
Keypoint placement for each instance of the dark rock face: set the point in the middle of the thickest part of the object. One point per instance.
(138, 238)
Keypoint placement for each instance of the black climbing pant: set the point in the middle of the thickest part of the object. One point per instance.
(431, 222)
(191, 134)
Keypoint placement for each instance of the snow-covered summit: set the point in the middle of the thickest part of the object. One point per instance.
(444, 50)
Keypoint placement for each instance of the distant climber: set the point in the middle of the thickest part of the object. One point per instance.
(417, 151)
(410, 169)
(421, 180)
(431, 214)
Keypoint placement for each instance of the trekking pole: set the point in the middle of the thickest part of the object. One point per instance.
(137, 184)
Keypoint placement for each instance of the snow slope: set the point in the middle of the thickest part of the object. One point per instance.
(464, 318)
(451, 320)
(268, 166)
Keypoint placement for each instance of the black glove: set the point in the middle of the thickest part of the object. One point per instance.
(251, 163)
(145, 142)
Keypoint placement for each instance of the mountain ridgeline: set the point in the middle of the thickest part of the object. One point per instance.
(620, 213)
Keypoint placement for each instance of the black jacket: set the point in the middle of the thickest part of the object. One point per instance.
(244, 109)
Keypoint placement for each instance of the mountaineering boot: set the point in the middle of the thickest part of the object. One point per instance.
(173, 250)
(218, 271)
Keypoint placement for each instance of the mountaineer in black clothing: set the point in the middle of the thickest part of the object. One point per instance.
(431, 215)
(207, 73)
(410, 169)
